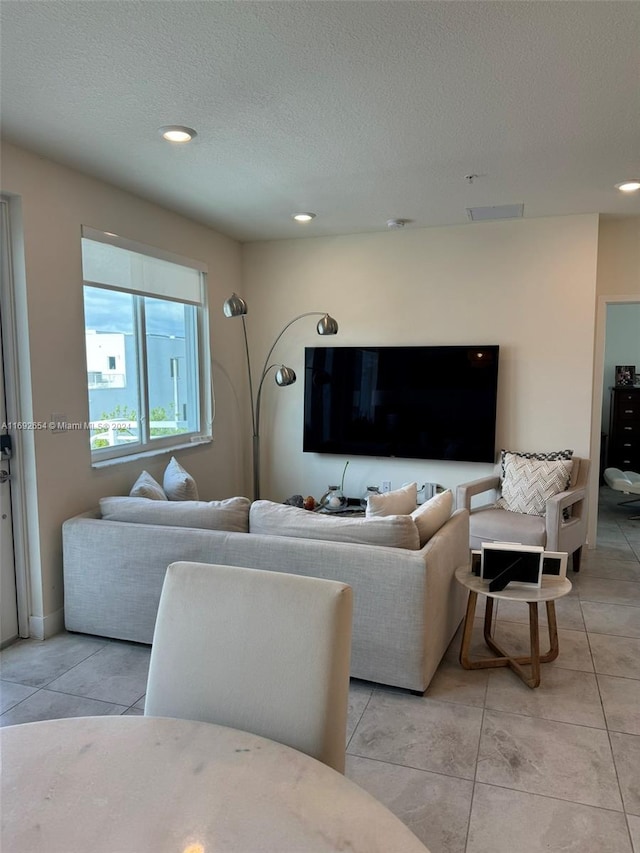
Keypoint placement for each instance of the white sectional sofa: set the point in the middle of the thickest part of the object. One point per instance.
(407, 604)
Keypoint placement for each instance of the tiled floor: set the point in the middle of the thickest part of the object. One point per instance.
(481, 764)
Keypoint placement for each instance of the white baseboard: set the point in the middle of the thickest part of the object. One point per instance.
(43, 627)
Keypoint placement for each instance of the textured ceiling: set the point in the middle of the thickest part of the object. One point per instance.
(358, 111)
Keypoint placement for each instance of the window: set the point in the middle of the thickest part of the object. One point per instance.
(147, 347)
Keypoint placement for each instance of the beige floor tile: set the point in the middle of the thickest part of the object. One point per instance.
(433, 806)
(550, 758)
(116, 673)
(617, 619)
(37, 663)
(419, 732)
(624, 570)
(574, 647)
(504, 821)
(621, 701)
(609, 591)
(610, 546)
(564, 695)
(616, 655)
(568, 613)
(11, 694)
(452, 683)
(47, 704)
(626, 754)
(359, 695)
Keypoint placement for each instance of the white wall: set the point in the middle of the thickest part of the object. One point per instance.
(527, 285)
(56, 202)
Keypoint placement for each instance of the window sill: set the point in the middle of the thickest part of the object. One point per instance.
(148, 454)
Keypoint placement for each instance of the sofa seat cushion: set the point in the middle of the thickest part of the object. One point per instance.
(487, 524)
(273, 519)
(231, 515)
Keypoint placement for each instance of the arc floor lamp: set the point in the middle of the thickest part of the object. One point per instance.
(236, 306)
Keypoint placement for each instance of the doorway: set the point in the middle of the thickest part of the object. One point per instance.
(608, 352)
(8, 597)
(14, 586)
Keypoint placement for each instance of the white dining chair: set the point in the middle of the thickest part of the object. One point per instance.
(265, 652)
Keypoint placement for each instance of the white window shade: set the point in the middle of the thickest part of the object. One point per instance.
(124, 265)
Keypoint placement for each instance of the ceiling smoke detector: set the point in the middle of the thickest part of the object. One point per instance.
(396, 223)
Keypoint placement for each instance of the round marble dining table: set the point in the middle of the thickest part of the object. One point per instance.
(156, 785)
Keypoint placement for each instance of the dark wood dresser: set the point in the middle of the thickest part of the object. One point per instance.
(624, 429)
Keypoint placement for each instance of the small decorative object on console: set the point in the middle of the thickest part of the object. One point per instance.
(334, 499)
(370, 490)
(295, 500)
(625, 374)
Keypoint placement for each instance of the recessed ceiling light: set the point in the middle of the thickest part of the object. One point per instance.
(631, 186)
(177, 133)
(303, 217)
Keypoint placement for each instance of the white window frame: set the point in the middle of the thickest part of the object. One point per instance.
(148, 446)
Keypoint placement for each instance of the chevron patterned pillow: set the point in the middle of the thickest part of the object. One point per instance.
(530, 479)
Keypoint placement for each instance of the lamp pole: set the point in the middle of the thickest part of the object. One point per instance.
(235, 306)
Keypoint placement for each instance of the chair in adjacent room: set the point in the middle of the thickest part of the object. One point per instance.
(627, 482)
(559, 522)
(261, 651)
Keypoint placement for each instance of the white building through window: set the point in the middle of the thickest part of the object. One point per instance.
(145, 311)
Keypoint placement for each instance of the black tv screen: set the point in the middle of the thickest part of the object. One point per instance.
(428, 402)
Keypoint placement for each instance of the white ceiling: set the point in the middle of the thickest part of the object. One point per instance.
(358, 111)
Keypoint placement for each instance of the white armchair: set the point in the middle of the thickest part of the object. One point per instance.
(563, 527)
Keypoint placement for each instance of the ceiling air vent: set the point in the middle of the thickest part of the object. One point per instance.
(497, 211)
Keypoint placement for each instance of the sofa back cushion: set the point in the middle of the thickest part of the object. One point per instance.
(231, 515)
(399, 502)
(530, 479)
(147, 487)
(273, 519)
(432, 514)
(178, 484)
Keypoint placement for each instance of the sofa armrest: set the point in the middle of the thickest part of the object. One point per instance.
(466, 491)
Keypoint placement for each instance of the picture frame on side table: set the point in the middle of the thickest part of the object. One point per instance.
(503, 563)
(555, 563)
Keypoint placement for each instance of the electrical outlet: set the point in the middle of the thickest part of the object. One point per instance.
(386, 486)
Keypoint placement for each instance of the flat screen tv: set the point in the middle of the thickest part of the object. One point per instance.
(416, 402)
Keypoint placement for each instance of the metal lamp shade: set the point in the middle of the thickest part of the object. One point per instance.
(327, 325)
(235, 306)
(285, 376)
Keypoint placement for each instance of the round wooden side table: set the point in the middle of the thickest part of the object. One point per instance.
(552, 588)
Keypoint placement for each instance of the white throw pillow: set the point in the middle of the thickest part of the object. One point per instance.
(432, 514)
(178, 484)
(231, 515)
(272, 519)
(146, 487)
(530, 479)
(399, 502)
